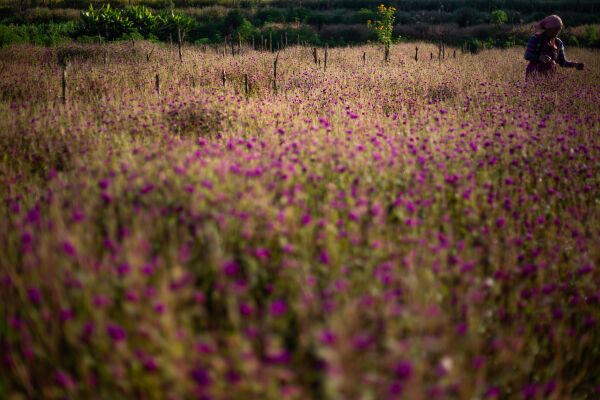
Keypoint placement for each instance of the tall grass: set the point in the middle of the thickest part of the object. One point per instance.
(400, 230)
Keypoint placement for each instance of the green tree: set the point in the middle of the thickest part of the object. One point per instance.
(246, 30)
(383, 27)
(498, 17)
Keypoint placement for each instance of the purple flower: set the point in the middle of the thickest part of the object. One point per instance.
(123, 269)
(34, 294)
(63, 379)
(262, 253)
(327, 337)
(201, 376)
(305, 220)
(66, 314)
(246, 309)
(233, 376)
(103, 183)
(68, 248)
(403, 370)
(116, 332)
(529, 391)
(278, 307)
(324, 257)
(230, 268)
(492, 392)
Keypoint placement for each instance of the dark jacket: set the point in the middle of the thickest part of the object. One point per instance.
(534, 47)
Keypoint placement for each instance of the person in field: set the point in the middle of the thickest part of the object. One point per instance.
(545, 50)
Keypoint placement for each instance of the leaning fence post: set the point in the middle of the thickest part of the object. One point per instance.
(179, 43)
(416, 53)
(275, 72)
(364, 58)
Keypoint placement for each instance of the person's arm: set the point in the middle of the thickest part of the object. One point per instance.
(532, 52)
(562, 60)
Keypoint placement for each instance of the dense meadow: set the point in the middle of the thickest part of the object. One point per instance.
(416, 229)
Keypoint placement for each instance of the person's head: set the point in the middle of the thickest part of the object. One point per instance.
(550, 26)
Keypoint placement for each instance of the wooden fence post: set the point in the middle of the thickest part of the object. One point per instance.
(315, 58)
(246, 86)
(223, 78)
(179, 43)
(157, 83)
(416, 53)
(364, 58)
(64, 83)
(386, 55)
(325, 59)
(275, 72)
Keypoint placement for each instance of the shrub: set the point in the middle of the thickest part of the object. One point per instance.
(40, 34)
(132, 22)
(498, 17)
(590, 36)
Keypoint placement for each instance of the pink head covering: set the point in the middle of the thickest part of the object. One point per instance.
(550, 22)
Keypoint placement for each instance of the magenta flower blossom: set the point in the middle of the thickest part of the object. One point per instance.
(35, 295)
(201, 376)
(403, 370)
(116, 332)
(64, 379)
(69, 249)
(278, 307)
(324, 257)
(246, 309)
(230, 268)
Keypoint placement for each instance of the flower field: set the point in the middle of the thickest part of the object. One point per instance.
(409, 230)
